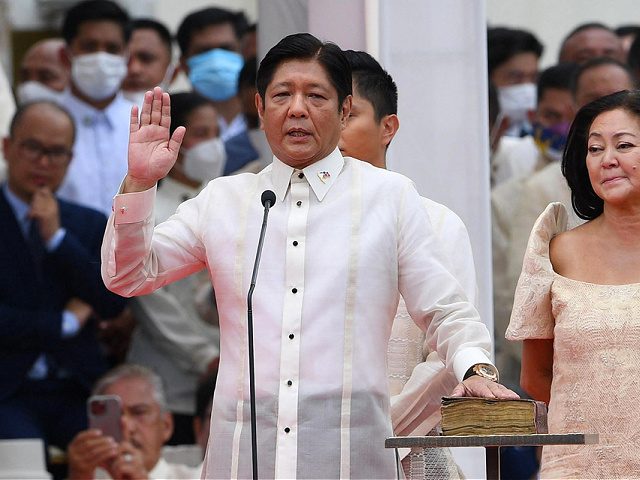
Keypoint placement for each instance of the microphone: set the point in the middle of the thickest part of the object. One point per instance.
(268, 199)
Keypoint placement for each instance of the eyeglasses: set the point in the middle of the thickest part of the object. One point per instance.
(33, 151)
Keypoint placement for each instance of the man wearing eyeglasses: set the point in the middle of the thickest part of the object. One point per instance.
(50, 286)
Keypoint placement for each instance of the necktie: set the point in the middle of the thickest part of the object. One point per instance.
(36, 246)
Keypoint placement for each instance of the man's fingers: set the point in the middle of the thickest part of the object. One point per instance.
(145, 116)
(165, 119)
(176, 140)
(156, 106)
(134, 123)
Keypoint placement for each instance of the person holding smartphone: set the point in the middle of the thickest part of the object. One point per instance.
(142, 422)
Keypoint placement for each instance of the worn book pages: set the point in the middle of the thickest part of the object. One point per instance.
(487, 416)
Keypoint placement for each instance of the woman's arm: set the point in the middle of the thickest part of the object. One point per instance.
(537, 368)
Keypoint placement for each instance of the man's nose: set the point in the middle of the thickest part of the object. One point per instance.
(128, 426)
(298, 106)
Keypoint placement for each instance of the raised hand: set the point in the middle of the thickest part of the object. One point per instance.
(152, 152)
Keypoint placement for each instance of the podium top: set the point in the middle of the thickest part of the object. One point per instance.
(437, 441)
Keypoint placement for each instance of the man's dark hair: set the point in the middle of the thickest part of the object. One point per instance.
(581, 28)
(23, 109)
(504, 43)
(558, 76)
(595, 63)
(248, 74)
(624, 30)
(159, 28)
(94, 11)
(586, 203)
(373, 83)
(201, 19)
(304, 46)
(182, 104)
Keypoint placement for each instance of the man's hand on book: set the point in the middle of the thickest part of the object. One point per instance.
(477, 386)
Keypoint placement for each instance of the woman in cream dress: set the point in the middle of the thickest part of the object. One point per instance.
(577, 304)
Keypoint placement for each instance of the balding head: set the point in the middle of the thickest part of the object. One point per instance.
(590, 41)
(43, 63)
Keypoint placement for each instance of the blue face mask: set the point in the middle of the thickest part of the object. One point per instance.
(551, 140)
(214, 73)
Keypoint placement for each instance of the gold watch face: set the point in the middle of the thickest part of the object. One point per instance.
(486, 371)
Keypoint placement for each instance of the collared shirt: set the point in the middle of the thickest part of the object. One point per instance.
(163, 470)
(343, 240)
(233, 128)
(99, 153)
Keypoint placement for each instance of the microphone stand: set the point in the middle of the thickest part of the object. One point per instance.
(268, 199)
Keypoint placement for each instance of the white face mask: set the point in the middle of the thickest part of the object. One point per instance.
(98, 75)
(205, 161)
(32, 91)
(517, 100)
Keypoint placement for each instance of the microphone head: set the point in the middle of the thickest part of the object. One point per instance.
(268, 196)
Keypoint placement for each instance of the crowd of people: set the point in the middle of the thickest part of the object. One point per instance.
(129, 234)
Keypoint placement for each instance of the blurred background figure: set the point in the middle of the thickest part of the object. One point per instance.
(627, 34)
(577, 306)
(210, 43)
(96, 33)
(43, 74)
(591, 40)
(7, 109)
(513, 57)
(171, 337)
(249, 42)
(51, 291)
(150, 52)
(146, 426)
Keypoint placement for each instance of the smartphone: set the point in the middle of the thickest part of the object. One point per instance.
(104, 412)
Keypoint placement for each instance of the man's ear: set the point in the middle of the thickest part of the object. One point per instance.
(260, 109)
(345, 111)
(390, 125)
(167, 424)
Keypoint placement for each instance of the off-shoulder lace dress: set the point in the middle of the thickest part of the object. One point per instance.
(596, 359)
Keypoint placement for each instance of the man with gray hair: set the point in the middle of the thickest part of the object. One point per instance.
(146, 426)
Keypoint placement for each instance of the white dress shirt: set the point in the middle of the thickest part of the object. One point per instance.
(344, 240)
(99, 153)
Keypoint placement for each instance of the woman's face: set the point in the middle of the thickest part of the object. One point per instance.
(613, 157)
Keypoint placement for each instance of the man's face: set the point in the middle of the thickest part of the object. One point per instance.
(149, 60)
(592, 43)
(554, 107)
(42, 128)
(143, 422)
(600, 81)
(98, 36)
(362, 138)
(214, 36)
(202, 125)
(301, 116)
(521, 68)
(43, 64)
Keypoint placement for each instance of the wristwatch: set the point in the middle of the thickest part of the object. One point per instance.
(485, 370)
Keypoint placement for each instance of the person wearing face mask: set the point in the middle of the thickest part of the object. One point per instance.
(149, 59)
(43, 75)
(513, 57)
(173, 336)
(517, 157)
(210, 44)
(96, 34)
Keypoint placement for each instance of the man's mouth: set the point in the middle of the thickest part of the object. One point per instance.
(297, 132)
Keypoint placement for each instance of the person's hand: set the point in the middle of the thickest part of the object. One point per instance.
(44, 211)
(128, 464)
(82, 310)
(477, 386)
(89, 450)
(151, 152)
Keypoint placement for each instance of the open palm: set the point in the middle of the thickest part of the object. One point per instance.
(152, 152)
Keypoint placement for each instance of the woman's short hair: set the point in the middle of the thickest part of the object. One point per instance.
(586, 203)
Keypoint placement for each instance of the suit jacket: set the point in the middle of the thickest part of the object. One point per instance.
(31, 305)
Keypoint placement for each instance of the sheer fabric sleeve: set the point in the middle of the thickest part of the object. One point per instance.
(531, 317)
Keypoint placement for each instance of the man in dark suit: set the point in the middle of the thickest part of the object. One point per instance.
(51, 292)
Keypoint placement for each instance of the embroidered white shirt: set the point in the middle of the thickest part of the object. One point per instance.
(344, 239)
